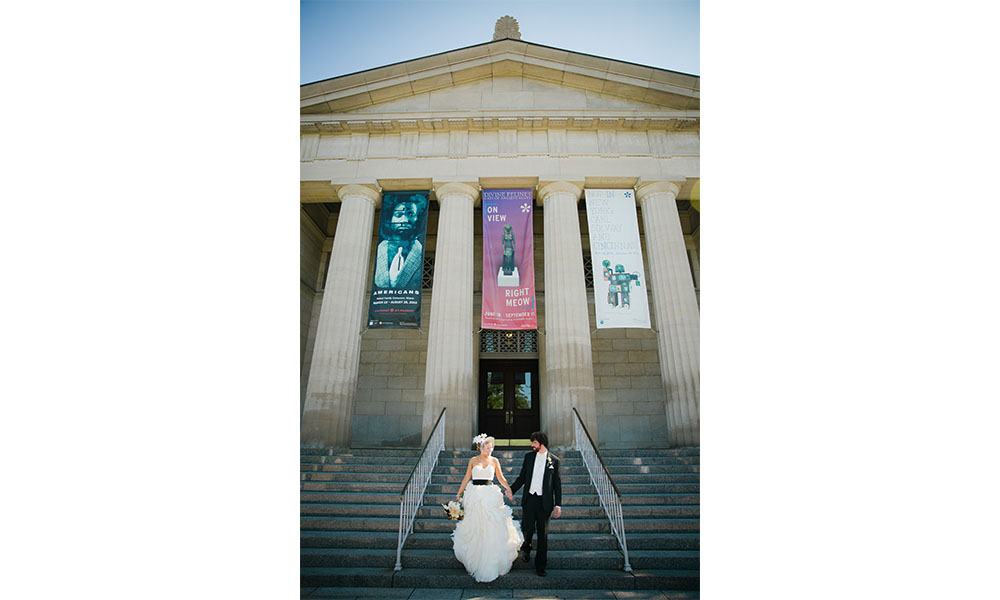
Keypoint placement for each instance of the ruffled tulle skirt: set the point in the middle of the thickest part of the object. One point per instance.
(486, 541)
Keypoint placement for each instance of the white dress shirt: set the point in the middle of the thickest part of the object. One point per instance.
(538, 473)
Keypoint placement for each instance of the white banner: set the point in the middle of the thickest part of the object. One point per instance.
(616, 257)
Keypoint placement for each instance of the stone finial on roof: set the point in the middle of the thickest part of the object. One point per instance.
(507, 27)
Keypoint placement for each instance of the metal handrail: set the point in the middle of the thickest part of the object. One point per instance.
(412, 496)
(607, 491)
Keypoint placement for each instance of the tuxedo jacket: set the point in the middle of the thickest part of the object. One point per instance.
(413, 267)
(551, 485)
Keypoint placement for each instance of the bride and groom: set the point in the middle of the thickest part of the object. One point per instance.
(488, 540)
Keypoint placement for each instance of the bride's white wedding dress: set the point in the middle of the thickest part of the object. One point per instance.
(486, 540)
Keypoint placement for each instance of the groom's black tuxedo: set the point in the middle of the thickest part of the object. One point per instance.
(535, 511)
(551, 485)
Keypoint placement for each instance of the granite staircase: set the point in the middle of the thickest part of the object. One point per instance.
(350, 521)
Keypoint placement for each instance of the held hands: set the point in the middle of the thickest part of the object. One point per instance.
(557, 511)
(509, 494)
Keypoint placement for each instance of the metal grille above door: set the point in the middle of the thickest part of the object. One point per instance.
(493, 341)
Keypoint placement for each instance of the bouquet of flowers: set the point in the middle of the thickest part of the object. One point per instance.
(453, 510)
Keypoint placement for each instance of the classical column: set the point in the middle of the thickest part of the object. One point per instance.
(333, 375)
(676, 310)
(450, 369)
(569, 371)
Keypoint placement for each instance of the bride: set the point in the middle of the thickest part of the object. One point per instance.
(487, 539)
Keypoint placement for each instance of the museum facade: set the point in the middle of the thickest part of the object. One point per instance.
(503, 115)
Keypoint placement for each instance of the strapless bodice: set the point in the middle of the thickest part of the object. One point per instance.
(486, 473)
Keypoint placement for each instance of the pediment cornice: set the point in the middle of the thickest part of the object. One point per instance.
(501, 58)
(380, 124)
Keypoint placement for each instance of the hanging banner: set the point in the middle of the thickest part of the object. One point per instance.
(616, 257)
(399, 261)
(508, 260)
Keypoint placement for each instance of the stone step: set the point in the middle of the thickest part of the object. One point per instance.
(578, 462)
(436, 489)
(401, 478)
(349, 452)
(374, 498)
(441, 476)
(383, 593)
(687, 451)
(578, 541)
(660, 499)
(588, 512)
(434, 511)
(397, 478)
(516, 579)
(397, 461)
(348, 486)
(349, 521)
(624, 489)
(334, 523)
(582, 478)
(511, 471)
(673, 464)
(587, 499)
(442, 540)
(445, 559)
(391, 499)
(582, 525)
(576, 479)
(355, 468)
(690, 451)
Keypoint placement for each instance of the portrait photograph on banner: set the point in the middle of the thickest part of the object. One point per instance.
(508, 260)
(619, 279)
(399, 261)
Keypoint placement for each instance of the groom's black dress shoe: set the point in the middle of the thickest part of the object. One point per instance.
(541, 572)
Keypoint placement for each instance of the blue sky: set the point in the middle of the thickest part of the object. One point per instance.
(345, 36)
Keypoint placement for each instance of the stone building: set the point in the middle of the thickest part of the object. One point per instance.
(503, 114)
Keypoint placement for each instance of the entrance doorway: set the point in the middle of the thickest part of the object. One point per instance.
(508, 398)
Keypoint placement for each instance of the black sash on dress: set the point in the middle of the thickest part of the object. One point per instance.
(480, 482)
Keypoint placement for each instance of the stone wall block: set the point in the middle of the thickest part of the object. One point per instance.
(627, 344)
(391, 345)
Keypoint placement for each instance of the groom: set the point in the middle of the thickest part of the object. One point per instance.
(542, 497)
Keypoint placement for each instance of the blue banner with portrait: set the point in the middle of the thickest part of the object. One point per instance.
(399, 261)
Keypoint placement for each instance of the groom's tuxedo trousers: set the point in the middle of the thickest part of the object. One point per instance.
(535, 520)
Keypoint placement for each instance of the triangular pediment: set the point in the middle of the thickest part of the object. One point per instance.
(506, 93)
(503, 75)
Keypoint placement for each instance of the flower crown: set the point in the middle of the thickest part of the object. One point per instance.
(479, 439)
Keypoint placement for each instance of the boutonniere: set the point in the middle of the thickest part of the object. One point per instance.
(548, 460)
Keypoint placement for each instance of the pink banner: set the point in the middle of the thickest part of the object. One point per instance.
(508, 260)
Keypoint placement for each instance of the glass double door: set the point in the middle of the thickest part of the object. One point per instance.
(508, 398)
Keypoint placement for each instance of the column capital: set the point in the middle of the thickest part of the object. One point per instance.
(457, 187)
(657, 187)
(556, 187)
(354, 189)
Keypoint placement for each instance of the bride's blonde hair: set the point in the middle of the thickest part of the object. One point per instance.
(481, 443)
